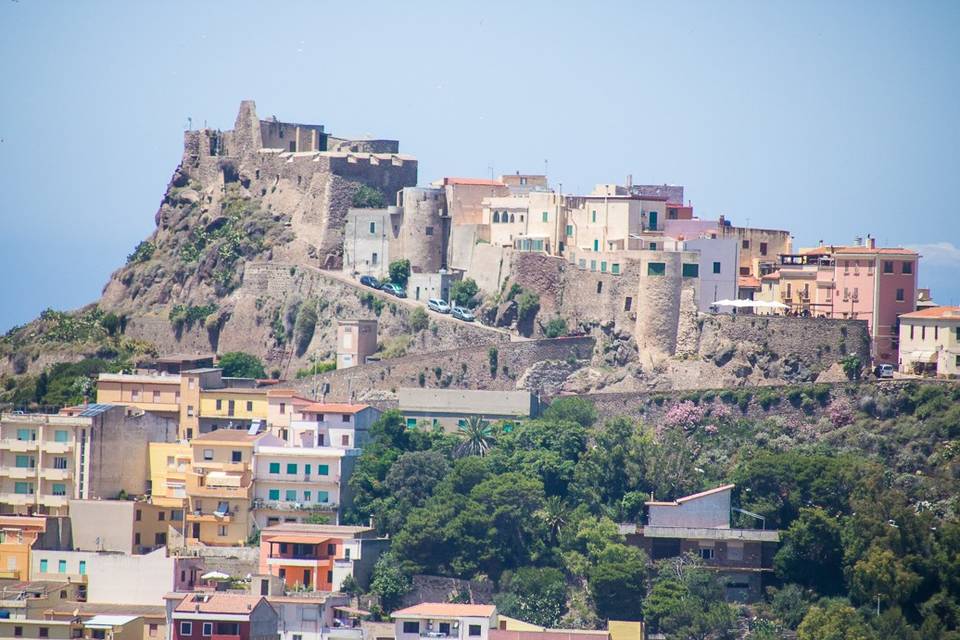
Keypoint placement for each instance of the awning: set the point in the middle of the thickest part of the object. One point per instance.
(291, 539)
(352, 611)
(924, 356)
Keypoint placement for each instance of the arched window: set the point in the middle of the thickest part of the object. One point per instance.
(496, 216)
(511, 218)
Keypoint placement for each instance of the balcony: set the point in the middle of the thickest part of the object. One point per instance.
(206, 491)
(56, 474)
(53, 501)
(18, 498)
(201, 466)
(12, 444)
(18, 473)
(280, 505)
(225, 518)
(331, 478)
(50, 446)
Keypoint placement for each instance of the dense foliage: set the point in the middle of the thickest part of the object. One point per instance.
(867, 505)
(238, 364)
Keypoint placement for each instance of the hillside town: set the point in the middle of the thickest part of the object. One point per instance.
(325, 402)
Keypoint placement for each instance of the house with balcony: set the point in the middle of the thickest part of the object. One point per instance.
(30, 599)
(47, 460)
(156, 392)
(281, 406)
(293, 483)
(220, 486)
(930, 342)
(169, 464)
(318, 557)
(700, 524)
(17, 537)
(309, 615)
(331, 424)
(445, 620)
(221, 616)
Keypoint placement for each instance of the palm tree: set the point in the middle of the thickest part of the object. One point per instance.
(554, 515)
(476, 437)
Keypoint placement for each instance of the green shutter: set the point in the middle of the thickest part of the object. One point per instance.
(291, 495)
(323, 496)
(569, 229)
(656, 268)
(716, 267)
(307, 468)
(60, 436)
(43, 566)
(307, 496)
(691, 270)
(274, 494)
(411, 423)
(23, 462)
(545, 216)
(596, 245)
(615, 268)
(291, 467)
(274, 467)
(603, 266)
(323, 469)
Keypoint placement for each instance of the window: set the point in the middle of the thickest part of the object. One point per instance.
(428, 231)
(44, 632)
(345, 417)
(615, 268)
(18, 632)
(323, 496)
(593, 216)
(373, 227)
(911, 332)
(249, 405)
(656, 268)
(409, 626)
(274, 467)
(593, 265)
(59, 436)
(24, 462)
(957, 332)
(23, 488)
(691, 270)
(546, 216)
(716, 267)
(307, 469)
(374, 258)
(907, 267)
(603, 268)
(411, 424)
(161, 516)
(745, 244)
(43, 565)
(273, 494)
(208, 454)
(763, 248)
(59, 489)
(900, 296)
(136, 538)
(744, 271)
(59, 462)
(923, 333)
(83, 567)
(627, 303)
(887, 266)
(236, 456)
(153, 630)
(474, 630)
(138, 516)
(307, 496)
(207, 629)
(190, 410)
(219, 404)
(706, 553)
(61, 566)
(186, 628)
(26, 434)
(283, 408)
(599, 286)
(331, 549)
(324, 469)
(291, 467)
(596, 245)
(569, 230)
(222, 531)
(496, 216)
(653, 246)
(290, 495)
(135, 394)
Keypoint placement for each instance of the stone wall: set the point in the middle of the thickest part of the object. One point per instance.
(540, 366)
(440, 589)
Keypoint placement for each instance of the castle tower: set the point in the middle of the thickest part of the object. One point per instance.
(423, 234)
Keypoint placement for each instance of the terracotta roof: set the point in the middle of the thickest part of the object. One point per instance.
(748, 281)
(207, 602)
(772, 276)
(942, 313)
(868, 251)
(444, 609)
(702, 494)
(480, 182)
(334, 407)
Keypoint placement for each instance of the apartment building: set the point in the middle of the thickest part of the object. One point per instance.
(291, 484)
(17, 537)
(46, 460)
(221, 616)
(445, 620)
(700, 524)
(451, 408)
(600, 223)
(319, 557)
(155, 392)
(169, 464)
(220, 486)
(930, 342)
(315, 616)
(282, 404)
(340, 425)
(136, 526)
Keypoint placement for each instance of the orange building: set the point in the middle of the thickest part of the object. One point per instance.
(17, 535)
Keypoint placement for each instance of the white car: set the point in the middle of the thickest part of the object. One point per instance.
(440, 306)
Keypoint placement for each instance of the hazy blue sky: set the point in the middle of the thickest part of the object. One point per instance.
(831, 119)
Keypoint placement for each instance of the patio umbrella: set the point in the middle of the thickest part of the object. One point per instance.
(215, 575)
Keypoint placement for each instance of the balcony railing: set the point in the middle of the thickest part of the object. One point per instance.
(19, 473)
(53, 501)
(18, 498)
(56, 474)
(280, 505)
(51, 446)
(12, 444)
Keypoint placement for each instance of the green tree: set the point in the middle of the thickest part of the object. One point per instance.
(528, 304)
(537, 595)
(399, 271)
(237, 364)
(390, 582)
(617, 583)
(476, 437)
(834, 620)
(419, 320)
(790, 604)
(111, 323)
(882, 573)
(811, 552)
(305, 325)
(573, 409)
(555, 328)
(368, 198)
(687, 601)
(462, 292)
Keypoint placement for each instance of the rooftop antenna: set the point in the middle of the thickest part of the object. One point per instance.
(546, 166)
(189, 123)
(491, 171)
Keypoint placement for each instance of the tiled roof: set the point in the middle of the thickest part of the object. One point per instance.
(334, 407)
(218, 603)
(942, 313)
(427, 609)
(300, 528)
(748, 281)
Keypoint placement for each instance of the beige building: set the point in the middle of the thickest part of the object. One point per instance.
(930, 342)
(169, 463)
(220, 485)
(47, 460)
(157, 393)
(136, 527)
(450, 408)
(356, 339)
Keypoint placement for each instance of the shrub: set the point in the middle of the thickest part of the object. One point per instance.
(142, 252)
(556, 328)
(399, 271)
(238, 364)
(728, 396)
(304, 326)
(316, 369)
(840, 412)
(188, 315)
(419, 320)
(396, 346)
(795, 396)
(462, 292)
(368, 198)
(528, 304)
(493, 356)
(808, 405)
(852, 366)
(768, 399)
(683, 414)
(422, 379)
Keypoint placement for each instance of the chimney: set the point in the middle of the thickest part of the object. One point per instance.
(629, 180)
(871, 242)
(821, 243)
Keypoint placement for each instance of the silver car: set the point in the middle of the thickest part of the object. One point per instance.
(440, 306)
(462, 313)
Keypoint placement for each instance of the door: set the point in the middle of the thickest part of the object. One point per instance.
(306, 578)
(196, 530)
(653, 220)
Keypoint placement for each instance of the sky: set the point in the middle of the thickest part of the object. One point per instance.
(830, 119)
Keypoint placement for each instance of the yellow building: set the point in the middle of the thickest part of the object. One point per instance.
(17, 535)
(169, 464)
(219, 486)
(156, 393)
(237, 404)
(930, 342)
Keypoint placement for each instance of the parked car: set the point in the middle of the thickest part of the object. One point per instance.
(395, 290)
(462, 313)
(370, 281)
(440, 306)
(884, 371)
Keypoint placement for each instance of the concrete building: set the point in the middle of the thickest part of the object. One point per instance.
(291, 484)
(200, 616)
(719, 260)
(173, 364)
(445, 620)
(700, 524)
(464, 197)
(17, 537)
(450, 408)
(169, 464)
(669, 283)
(370, 239)
(758, 248)
(313, 616)
(930, 342)
(318, 557)
(220, 486)
(523, 183)
(356, 340)
(30, 600)
(600, 222)
(340, 425)
(282, 404)
(40, 628)
(45, 460)
(158, 393)
(136, 527)
(423, 286)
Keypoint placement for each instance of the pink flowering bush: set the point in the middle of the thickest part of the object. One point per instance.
(684, 414)
(711, 429)
(840, 412)
(721, 412)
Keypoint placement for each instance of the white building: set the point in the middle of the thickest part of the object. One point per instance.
(329, 424)
(291, 483)
(719, 263)
(445, 620)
